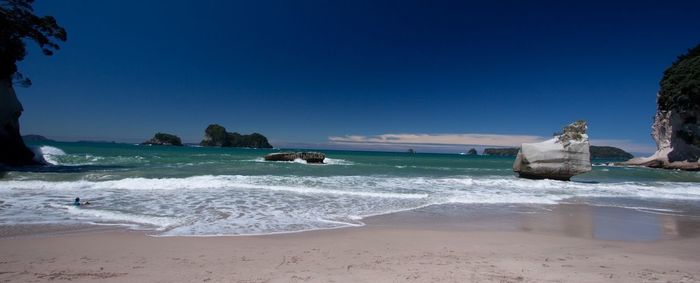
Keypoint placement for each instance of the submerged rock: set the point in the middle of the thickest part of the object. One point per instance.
(676, 128)
(309, 157)
(559, 158)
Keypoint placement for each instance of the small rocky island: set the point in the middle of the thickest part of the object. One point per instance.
(676, 128)
(216, 135)
(559, 158)
(472, 152)
(164, 139)
(309, 157)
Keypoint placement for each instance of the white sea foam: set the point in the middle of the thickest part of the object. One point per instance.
(242, 204)
(96, 215)
(47, 154)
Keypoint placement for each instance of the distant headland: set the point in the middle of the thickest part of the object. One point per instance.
(597, 152)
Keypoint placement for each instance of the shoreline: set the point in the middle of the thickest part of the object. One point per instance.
(449, 243)
(534, 218)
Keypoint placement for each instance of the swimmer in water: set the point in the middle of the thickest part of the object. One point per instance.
(77, 202)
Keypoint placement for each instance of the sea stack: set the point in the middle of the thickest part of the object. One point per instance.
(559, 158)
(676, 128)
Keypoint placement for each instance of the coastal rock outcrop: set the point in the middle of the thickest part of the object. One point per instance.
(309, 157)
(13, 151)
(472, 152)
(164, 139)
(676, 128)
(216, 135)
(559, 158)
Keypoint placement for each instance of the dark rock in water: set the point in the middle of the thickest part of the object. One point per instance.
(676, 128)
(216, 135)
(36, 138)
(411, 151)
(472, 152)
(309, 157)
(13, 151)
(164, 139)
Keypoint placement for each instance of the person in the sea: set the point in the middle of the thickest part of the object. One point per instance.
(77, 202)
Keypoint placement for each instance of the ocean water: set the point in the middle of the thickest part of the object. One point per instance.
(196, 191)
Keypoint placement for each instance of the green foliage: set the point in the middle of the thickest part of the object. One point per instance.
(216, 135)
(573, 132)
(168, 139)
(680, 85)
(17, 23)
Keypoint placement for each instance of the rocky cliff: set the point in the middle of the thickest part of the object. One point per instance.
(676, 128)
(13, 152)
(216, 135)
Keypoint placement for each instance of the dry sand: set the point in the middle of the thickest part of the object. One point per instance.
(561, 245)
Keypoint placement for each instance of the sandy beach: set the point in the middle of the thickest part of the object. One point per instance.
(562, 243)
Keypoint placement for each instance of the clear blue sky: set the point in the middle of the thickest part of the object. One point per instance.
(305, 71)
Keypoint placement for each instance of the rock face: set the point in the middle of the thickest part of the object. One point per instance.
(13, 152)
(472, 152)
(559, 158)
(676, 128)
(164, 139)
(309, 157)
(216, 135)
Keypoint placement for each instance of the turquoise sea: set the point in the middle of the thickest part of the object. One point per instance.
(230, 191)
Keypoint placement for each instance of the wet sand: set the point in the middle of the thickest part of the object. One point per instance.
(560, 243)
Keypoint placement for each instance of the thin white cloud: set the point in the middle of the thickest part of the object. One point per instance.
(438, 139)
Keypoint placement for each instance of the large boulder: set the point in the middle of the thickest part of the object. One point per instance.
(13, 152)
(559, 158)
(309, 157)
(676, 128)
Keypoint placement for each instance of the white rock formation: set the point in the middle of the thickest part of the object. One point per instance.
(559, 158)
(672, 152)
